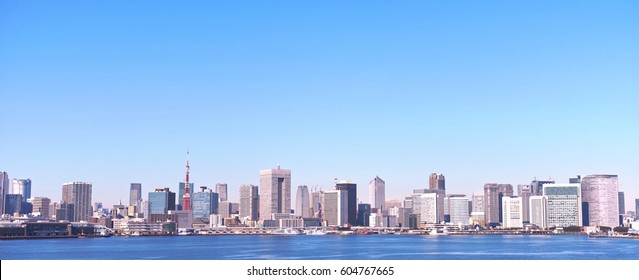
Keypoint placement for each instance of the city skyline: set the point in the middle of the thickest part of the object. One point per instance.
(480, 92)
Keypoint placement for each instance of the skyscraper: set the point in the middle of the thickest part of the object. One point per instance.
(316, 204)
(477, 213)
(135, 194)
(428, 207)
(222, 190)
(4, 189)
(493, 194)
(351, 192)
(363, 214)
(436, 182)
(525, 191)
(21, 187)
(302, 202)
(275, 192)
(41, 206)
(458, 209)
(512, 212)
(78, 194)
(161, 201)
(563, 204)
(622, 203)
(538, 211)
(204, 203)
(601, 194)
(13, 204)
(249, 202)
(377, 193)
(335, 207)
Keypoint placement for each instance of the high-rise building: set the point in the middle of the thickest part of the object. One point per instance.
(222, 190)
(78, 194)
(538, 211)
(493, 194)
(436, 182)
(316, 204)
(600, 193)
(161, 201)
(351, 192)
(637, 208)
(135, 194)
(622, 203)
(335, 207)
(428, 203)
(458, 209)
(181, 190)
(65, 212)
(41, 207)
(477, 212)
(363, 214)
(377, 193)
(21, 187)
(224, 209)
(525, 191)
(512, 212)
(275, 192)
(302, 202)
(537, 187)
(249, 202)
(440, 197)
(13, 204)
(4, 189)
(204, 203)
(563, 205)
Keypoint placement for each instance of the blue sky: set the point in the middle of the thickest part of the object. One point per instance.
(495, 91)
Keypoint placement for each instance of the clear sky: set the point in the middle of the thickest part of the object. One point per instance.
(114, 92)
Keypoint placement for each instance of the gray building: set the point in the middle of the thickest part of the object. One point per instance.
(458, 209)
(302, 203)
(222, 190)
(377, 193)
(4, 189)
(537, 210)
(563, 205)
(622, 203)
(601, 195)
(493, 194)
(525, 191)
(316, 204)
(13, 204)
(79, 194)
(135, 194)
(204, 203)
(351, 192)
(41, 206)
(161, 201)
(440, 197)
(335, 207)
(275, 192)
(537, 187)
(436, 182)
(249, 202)
(21, 187)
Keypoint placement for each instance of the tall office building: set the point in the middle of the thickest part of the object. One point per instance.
(512, 212)
(78, 194)
(222, 190)
(525, 191)
(440, 197)
(249, 202)
(161, 201)
(335, 207)
(4, 189)
(275, 192)
(622, 203)
(537, 210)
(637, 208)
(436, 182)
(563, 205)
(224, 209)
(302, 202)
(537, 187)
(428, 207)
(135, 194)
(377, 193)
(316, 204)
(493, 194)
(477, 212)
(13, 204)
(600, 193)
(458, 209)
(363, 214)
(21, 187)
(180, 194)
(351, 190)
(41, 207)
(204, 203)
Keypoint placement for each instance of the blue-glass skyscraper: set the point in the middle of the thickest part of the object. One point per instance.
(161, 201)
(204, 204)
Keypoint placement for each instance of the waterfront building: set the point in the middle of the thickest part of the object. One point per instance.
(316, 204)
(41, 207)
(600, 194)
(64, 212)
(204, 203)
(493, 194)
(563, 205)
(78, 194)
(135, 194)
(275, 192)
(335, 207)
(180, 197)
(377, 193)
(525, 191)
(637, 208)
(161, 201)
(13, 204)
(537, 187)
(428, 207)
(403, 216)
(512, 212)
(302, 202)
(144, 209)
(622, 203)
(375, 220)
(222, 190)
(21, 187)
(351, 194)
(440, 196)
(477, 213)
(224, 209)
(458, 209)
(184, 218)
(537, 210)
(363, 214)
(249, 202)
(4, 189)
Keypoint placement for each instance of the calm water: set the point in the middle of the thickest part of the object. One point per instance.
(371, 247)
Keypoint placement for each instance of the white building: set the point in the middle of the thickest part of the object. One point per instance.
(563, 204)
(601, 194)
(428, 208)
(458, 209)
(512, 215)
(537, 211)
(377, 193)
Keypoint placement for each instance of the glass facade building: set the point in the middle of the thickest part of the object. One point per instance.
(161, 201)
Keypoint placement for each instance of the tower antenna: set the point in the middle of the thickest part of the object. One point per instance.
(187, 191)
